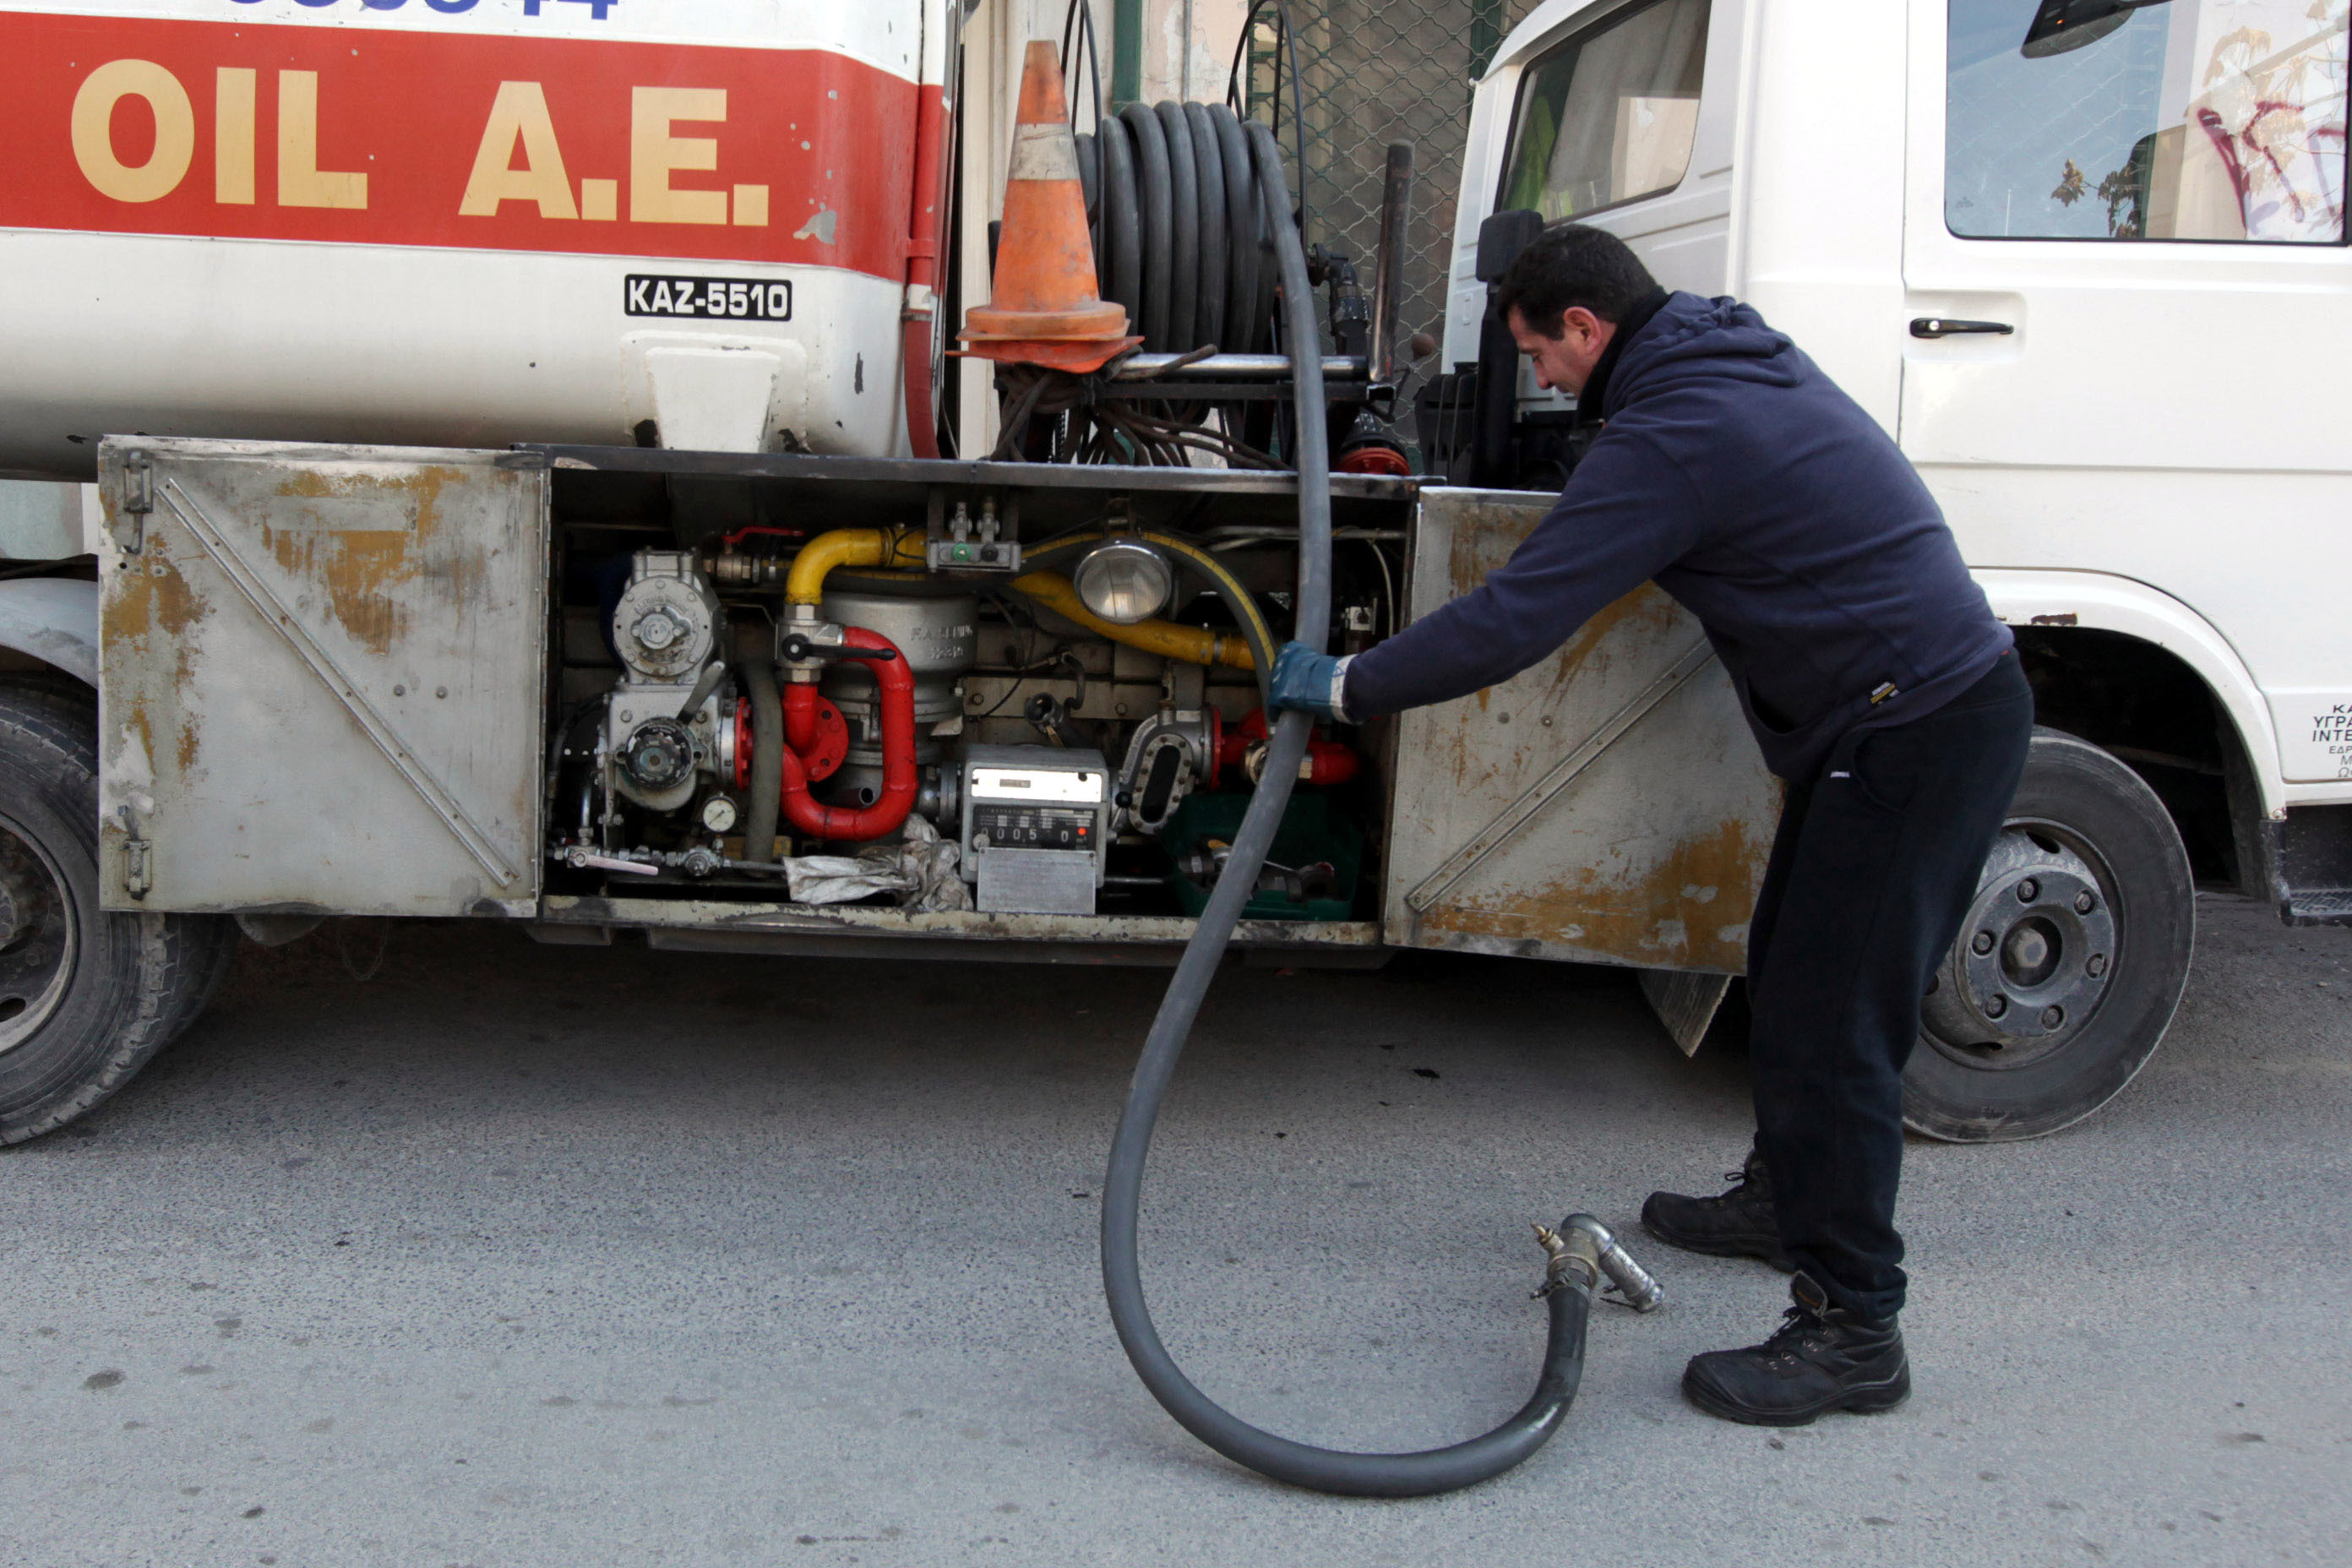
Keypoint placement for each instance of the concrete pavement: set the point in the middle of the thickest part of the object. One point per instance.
(524, 1256)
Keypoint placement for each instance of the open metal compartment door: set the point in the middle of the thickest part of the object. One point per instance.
(1608, 806)
(320, 678)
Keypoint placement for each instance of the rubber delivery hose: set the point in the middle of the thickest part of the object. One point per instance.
(767, 780)
(1572, 1276)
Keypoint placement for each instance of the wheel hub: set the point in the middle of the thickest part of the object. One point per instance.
(37, 940)
(2036, 957)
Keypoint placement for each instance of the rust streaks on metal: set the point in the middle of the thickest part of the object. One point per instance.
(1606, 805)
(1688, 910)
(150, 604)
(368, 540)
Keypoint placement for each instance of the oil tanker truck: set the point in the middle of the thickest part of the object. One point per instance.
(490, 459)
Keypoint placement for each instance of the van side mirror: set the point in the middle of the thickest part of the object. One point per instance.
(1501, 239)
(2060, 26)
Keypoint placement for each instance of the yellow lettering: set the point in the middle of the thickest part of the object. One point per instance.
(518, 114)
(600, 200)
(300, 182)
(752, 206)
(175, 130)
(655, 154)
(233, 136)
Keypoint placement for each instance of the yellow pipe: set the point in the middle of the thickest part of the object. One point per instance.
(847, 547)
(1229, 588)
(889, 547)
(1193, 645)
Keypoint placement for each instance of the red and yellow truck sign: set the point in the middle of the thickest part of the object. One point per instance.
(758, 159)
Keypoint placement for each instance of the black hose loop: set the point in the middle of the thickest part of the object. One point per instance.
(1208, 156)
(1090, 185)
(1153, 187)
(1184, 230)
(1300, 1464)
(1245, 331)
(1122, 221)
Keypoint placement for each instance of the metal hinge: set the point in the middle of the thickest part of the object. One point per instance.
(137, 857)
(130, 524)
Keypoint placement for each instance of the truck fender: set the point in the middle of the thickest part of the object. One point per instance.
(55, 620)
(2107, 603)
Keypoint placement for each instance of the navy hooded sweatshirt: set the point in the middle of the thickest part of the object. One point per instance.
(1732, 472)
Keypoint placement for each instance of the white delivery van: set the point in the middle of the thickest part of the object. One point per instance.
(2086, 260)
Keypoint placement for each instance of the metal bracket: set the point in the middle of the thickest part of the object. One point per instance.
(128, 525)
(1520, 812)
(138, 858)
(469, 834)
(949, 545)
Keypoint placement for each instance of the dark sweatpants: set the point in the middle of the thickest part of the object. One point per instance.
(1873, 868)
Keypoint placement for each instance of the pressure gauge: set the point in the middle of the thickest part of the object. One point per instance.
(718, 813)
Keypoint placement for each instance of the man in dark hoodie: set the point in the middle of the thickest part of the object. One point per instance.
(1736, 475)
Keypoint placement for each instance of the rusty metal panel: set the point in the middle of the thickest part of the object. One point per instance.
(321, 677)
(1607, 805)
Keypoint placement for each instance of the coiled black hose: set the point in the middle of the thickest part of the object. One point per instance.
(1579, 1252)
(1178, 239)
(1183, 228)
(1156, 220)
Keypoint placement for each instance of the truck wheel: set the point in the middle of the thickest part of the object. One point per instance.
(2070, 963)
(86, 996)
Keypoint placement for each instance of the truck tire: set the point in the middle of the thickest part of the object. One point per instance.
(86, 995)
(2070, 963)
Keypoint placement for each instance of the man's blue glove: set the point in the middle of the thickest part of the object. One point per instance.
(1309, 682)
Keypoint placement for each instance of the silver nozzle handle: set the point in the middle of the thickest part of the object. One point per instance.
(1640, 1291)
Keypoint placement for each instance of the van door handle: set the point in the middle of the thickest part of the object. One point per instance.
(1945, 326)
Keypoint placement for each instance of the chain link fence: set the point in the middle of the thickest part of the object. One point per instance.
(1375, 73)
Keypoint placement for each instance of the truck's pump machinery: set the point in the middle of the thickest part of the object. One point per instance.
(1041, 721)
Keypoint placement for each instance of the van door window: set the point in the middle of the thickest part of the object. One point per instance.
(2208, 120)
(1610, 115)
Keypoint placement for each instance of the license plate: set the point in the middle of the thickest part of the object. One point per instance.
(709, 299)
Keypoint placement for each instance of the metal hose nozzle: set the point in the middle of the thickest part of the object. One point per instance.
(1642, 1292)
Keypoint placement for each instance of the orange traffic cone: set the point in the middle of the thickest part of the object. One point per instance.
(1045, 311)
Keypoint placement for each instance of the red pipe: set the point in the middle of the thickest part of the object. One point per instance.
(1328, 760)
(898, 782)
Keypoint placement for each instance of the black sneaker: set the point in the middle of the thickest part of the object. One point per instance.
(1823, 1358)
(1739, 1224)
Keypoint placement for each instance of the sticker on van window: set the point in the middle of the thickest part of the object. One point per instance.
(709, 299)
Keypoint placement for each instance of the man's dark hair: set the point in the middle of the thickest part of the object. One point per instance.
(1569, 266)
